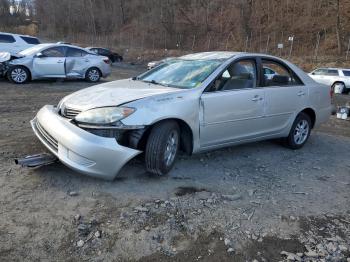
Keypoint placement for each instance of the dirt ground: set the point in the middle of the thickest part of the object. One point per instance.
(255, 202)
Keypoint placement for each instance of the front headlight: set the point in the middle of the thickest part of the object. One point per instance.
(104, 115)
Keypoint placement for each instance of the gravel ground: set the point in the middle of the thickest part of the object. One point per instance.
(255, 202)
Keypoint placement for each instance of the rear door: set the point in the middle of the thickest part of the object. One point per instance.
(51, 63)
(232, 107)
(77, 62)
(285, 95)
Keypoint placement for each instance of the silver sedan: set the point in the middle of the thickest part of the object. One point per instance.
(195, 103)
(57, 61)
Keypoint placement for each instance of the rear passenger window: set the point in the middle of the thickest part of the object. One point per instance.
(332, 72)
(30, 40)
(276, 74)
(346, 73)
(75, 52)
(7, 39)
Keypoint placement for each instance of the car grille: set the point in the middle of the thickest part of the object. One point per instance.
(46, 136)
(70, 112)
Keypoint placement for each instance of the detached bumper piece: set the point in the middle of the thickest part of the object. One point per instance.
(78, 149)
(36, 160)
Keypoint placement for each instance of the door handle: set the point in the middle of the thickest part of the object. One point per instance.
(257, 98)
(87, 60)
(60, 62)
(301, 93)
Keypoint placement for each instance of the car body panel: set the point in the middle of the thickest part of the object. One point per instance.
(215, 119)
(48, 67)
(220, 125)
(78, 149)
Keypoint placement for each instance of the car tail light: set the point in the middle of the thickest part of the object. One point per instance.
(331, 92)
(107, 61)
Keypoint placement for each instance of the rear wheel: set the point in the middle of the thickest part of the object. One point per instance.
(162, 147)
(93, 75)
(18, 75)
(300, 132)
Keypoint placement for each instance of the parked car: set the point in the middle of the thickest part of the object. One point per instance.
(114, 57)
(337, 78)
(154, 64)
(14, 43)
(57, 61)
(199, 102)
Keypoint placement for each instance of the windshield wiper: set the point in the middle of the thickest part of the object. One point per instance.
(154, 82)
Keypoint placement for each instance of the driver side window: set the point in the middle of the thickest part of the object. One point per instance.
(239, 75)
(53, 52)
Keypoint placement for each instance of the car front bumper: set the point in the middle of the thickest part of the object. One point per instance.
(78, 149)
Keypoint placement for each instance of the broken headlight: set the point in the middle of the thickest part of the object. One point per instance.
(104, 115)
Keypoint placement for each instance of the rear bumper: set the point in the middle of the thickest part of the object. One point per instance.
(80, 150)
(323, 115)
(106, 70)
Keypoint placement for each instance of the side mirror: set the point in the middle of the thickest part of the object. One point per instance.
(39, 55)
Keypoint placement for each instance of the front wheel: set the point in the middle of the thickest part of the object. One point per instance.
(93, 75)
(300, 132)
(162, 148)
(18, 75)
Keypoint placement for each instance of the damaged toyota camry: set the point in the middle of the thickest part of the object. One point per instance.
(194, 103)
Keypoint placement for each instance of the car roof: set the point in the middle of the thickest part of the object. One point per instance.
(333, 68)
(4, 33)
(219, 55)
(97, 47)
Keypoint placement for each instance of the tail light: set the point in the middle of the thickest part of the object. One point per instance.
(107, 61)
(331, 92)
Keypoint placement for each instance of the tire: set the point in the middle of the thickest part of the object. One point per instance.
(93, 75)
(18, 75)
(162, 148)
(300, 132)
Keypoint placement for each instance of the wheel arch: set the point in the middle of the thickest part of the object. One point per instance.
(93, 67)
(312, 114)
(23, 66)
(186, 134)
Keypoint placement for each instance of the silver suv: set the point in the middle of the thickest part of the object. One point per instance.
(337, 78)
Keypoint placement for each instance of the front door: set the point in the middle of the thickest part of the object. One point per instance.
(51, 63)
(232, 108)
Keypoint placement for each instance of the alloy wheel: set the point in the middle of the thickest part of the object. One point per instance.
(19, 75)
(171, 148)
(93, 75)
(301, 132)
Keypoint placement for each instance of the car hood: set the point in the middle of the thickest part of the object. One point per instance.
(114, 94)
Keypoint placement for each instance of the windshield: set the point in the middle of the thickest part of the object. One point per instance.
(181, 73)
(32, 50)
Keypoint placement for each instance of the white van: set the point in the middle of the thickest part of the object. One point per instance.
(14, 43)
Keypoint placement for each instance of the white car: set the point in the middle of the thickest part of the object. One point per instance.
(337, 78)
(13, 43)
